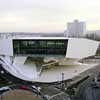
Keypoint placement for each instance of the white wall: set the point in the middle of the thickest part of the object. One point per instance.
(77, 48)
(6, 47)
(80, 48)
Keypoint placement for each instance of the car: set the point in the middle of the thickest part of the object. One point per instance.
(4, 89)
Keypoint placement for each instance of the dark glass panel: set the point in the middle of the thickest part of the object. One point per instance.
(43, 47)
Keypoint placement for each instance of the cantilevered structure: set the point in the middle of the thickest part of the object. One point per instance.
(16, 55)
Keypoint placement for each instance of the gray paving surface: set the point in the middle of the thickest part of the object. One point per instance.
(86, 91)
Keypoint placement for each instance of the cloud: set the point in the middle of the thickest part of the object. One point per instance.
(46, 15)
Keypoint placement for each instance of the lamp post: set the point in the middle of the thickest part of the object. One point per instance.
(63, 85)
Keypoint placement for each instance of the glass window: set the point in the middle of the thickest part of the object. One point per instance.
(43, 47)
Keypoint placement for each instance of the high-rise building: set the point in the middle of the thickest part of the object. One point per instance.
(76, 29)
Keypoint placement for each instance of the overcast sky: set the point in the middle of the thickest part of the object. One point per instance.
(47, 15)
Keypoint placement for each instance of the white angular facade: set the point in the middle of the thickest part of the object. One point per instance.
(75, 48)
(81, 48)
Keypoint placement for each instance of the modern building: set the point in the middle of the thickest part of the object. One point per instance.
(16, 55)
(76, 29)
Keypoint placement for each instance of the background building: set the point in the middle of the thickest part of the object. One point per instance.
(76, 29)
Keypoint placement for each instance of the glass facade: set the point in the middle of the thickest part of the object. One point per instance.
(40, 47)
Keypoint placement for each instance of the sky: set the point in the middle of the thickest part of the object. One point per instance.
(47, 15)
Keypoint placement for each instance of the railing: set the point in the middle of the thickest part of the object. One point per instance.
(44, 66)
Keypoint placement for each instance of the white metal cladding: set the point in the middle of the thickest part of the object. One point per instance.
(6, 47)
(80, 48)
(76, 48)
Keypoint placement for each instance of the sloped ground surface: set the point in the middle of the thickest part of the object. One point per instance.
(19, 95)
(54, 93)
(88, 90)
